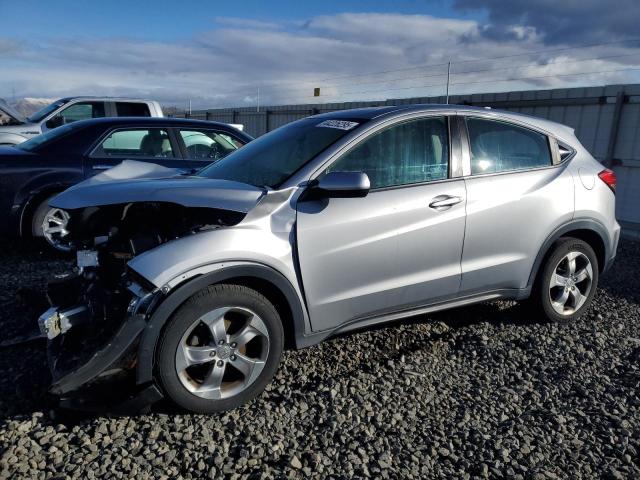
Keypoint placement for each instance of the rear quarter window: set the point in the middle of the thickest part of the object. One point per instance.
(132, 109)
(503, 147)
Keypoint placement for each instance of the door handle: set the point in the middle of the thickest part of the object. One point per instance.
(102, 167)
(444, 202)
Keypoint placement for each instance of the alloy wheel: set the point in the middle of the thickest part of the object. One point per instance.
(570, 283)
(54, 229)
(222, 353)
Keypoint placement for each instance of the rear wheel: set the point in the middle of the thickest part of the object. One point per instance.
(568, 280)
(220, 349)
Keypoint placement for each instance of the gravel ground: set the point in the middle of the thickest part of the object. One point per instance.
(484, 391)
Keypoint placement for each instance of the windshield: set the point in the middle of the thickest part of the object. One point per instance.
(41, 114)
(274, 157)
(36, 142)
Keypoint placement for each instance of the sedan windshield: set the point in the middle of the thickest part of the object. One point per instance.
(41, 114)
(274, 157)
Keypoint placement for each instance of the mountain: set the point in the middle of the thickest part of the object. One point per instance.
(27, 106)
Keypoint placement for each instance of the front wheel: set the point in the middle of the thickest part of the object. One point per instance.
(567, 283)
(50, 224)
(220, 349)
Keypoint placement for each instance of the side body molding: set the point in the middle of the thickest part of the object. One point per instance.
(151, 333)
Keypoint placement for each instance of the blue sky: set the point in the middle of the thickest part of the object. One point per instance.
(163, 19)
(220, 53)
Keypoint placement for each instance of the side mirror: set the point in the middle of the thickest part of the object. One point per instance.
(344, 185)
(55, 122)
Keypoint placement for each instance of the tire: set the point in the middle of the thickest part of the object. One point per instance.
(204, 385)
(55, 241)
(571, 294)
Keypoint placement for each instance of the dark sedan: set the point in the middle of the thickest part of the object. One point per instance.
(38, 169)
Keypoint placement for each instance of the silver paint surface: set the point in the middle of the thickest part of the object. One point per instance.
(386, 255)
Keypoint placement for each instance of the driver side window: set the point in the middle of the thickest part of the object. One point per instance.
(416, 151)
(80, 111)
(208, 145)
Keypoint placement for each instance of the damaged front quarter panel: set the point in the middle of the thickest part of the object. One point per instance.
(133, 236)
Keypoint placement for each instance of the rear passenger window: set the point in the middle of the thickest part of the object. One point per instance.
(152, 142)
(503, 147)
(133, 109)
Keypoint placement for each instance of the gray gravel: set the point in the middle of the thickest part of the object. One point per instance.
(485, 391)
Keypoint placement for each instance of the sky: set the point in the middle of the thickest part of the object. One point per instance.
(244, 53)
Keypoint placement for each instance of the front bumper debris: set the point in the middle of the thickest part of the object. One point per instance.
(55, 321)
(93, 335)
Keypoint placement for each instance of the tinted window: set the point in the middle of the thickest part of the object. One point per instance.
(502, 147)
(208, 145)
(132, 109)
(412, 152)
(81, 111)
(152, 142)
(274, 157)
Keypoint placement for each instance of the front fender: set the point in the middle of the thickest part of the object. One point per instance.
(220, 273)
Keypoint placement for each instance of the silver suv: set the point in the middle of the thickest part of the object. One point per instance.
(15, 129)
(193, 285)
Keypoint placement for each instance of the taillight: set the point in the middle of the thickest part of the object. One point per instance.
(608, 177)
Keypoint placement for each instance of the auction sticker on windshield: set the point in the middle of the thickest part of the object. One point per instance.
(340, 124)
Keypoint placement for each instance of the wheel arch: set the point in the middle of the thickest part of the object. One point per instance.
(263, 279)
(32, 202)
(590, 231)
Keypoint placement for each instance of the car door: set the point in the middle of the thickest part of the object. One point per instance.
(516, 197)
(202, 146)
(142, 143)
(396, 248)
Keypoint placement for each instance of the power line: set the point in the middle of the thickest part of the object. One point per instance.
(400, 79)
(479, 82)
(426, 65)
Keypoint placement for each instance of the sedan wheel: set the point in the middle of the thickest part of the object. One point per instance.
(54, 229)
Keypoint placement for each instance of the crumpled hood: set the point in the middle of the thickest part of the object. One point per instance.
(134, 181)
(12, 112)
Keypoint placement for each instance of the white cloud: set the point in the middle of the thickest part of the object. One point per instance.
(225, 66)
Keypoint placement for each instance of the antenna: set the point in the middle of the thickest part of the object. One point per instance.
(448, 77)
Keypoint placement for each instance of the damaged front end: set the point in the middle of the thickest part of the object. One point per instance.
(99, 310)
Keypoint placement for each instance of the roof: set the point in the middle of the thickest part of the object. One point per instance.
(102, 97)
(168, 121)
(370, 113)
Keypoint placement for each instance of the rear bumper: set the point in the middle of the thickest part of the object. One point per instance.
(611, 255)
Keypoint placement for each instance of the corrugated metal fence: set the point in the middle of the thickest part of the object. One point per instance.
(606, 120)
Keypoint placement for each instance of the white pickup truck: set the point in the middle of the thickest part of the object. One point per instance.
(15, 129)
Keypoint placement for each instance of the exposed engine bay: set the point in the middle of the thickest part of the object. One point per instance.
(102, 299)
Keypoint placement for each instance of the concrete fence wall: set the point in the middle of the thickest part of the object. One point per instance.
(606, 120)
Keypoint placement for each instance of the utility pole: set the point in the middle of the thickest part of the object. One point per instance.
(258, 101)
(448, 77)
(189, 107)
